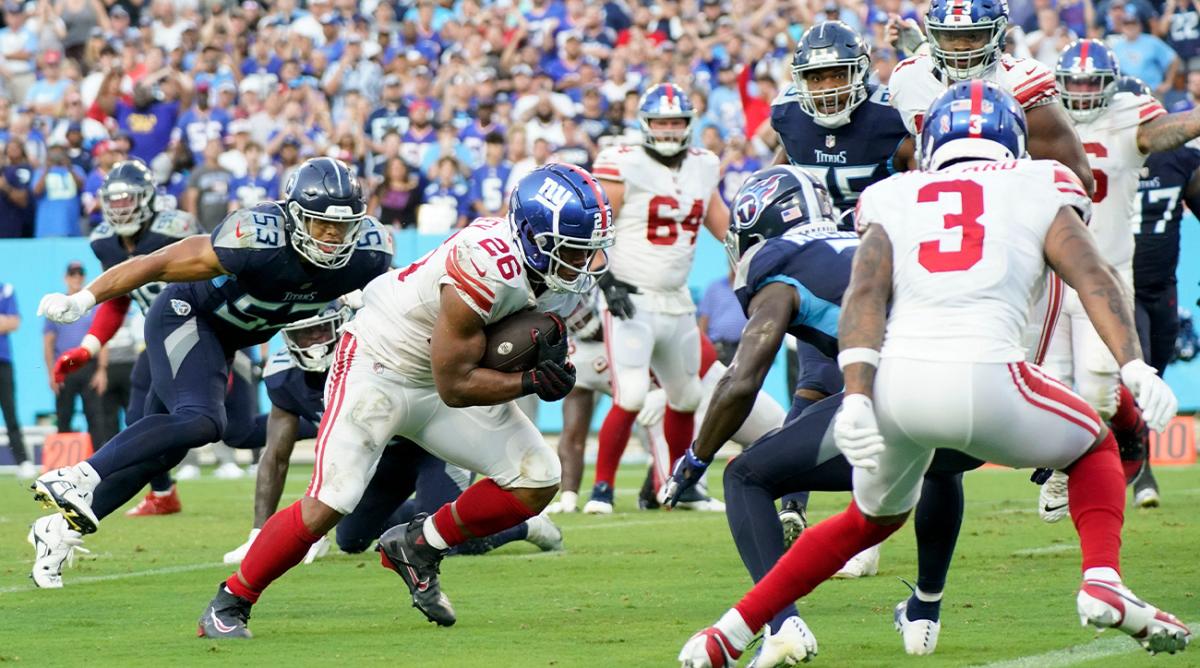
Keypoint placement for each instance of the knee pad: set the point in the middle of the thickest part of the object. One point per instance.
(1100, 391)
(630, 387)
(537, 467)
(687, 398)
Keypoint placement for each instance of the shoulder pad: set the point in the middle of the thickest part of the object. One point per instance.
(879, 95)
(102, 231)
(175, 223)
(260, 227)
(788, 95)
(278, 363)
(375, 237)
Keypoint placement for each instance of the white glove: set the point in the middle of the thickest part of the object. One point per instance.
(66, 309)
(904, 34)
(353, 299)
(856, 433)
(1155, 397)
(653, 408)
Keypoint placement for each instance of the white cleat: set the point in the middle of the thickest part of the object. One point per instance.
(794, 644)
(708, 649)
(544, 533)
(229, 471)
(1107, 605)
(595, 507)
(27, 470)
(1052, 500)
(187, 472)
(55, 543)
(235, 556)
(69, 491)
(862, 565)
(317, 550)
(920, 635)
(1146, 497)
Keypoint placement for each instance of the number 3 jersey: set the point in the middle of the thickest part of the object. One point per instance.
(166, 228)
(401, 307)
(268, 284)
(659, 220)
(967, 254)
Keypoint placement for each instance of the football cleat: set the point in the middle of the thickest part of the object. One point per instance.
(1052, 500)
(601, 502)
(403, 549)
(55, 543)
(235, 556)
(1111, 605)
(69, 491)
(544, 533)
(695, 498)
(1145, 490)
(187, 472)
(225, 617)
(229, 471)
(317, 550)
(647, 497)
(708, 649)
(157, 504)
(794, 521)
(793, 644)
(862, 565)
(27, 470)
(920, 635)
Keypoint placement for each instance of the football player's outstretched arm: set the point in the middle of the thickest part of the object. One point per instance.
(864, 306)
(1168, 132)
(273, 465)
(716, 218)
(733, 398)
(457, 347)
(1051, 137)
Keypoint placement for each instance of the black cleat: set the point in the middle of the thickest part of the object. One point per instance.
(225, 616)
(794, 521)
(404, 550)
(647, 498)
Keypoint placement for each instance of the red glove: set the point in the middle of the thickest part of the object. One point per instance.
(70, 362)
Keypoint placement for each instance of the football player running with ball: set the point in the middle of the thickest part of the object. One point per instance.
(409, 365)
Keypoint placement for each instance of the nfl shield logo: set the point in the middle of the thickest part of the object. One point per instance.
(830, 141)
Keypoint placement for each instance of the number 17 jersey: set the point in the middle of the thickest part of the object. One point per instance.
(967, 254)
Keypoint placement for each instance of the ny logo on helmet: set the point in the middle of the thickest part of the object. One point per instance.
(553, 196)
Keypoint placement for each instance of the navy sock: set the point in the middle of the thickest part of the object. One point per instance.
(918, 609)
(939, 516)
(119, 487)
(162, 482)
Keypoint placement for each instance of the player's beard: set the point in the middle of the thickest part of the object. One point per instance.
(671, 161)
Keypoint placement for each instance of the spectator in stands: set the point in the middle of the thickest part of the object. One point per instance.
(104, 156)
(736, 166)
(18, 49)
(1050, 38)
(1142, 55)
(46, 95)
(209, 189)
(1192, 97)
(10, 320)
(489, 180)
(720, 317)
(86, 384)
(1180, 27)
(447, 146)
(202, 123)
(80, 17)
(154, 113)
(474, 135)
(16, 193)
(421, 132)
(56, 190)
(260, 183)
(448, 189)
(396, 199)
(577, 148)
(391, 114)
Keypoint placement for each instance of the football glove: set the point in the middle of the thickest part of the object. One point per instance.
(856, 433)
(1155, 397)
(687, 471)
(70, 362)
(550, 380)
(65, 309)
(616, 295)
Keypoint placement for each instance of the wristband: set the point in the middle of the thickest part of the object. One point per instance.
(858, 356)
(85, 299)
(695, 461)
(91, 344)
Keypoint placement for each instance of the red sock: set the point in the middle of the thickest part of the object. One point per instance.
(708, 355)
(1128, 418)
(815, 556)
(613, 437)
(484, 509)
(281, 544)
(1096, 493)
(678, 428)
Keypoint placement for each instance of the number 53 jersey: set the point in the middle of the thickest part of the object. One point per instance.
(660, 217)
(967, 254)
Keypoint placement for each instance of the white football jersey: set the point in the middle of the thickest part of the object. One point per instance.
(1110, 141)
(967, 253)
(659, 221)
(400, 307)
(916, 83)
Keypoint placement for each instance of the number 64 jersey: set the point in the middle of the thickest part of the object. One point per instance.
(659, 220)
(967, 254)
(400, 307)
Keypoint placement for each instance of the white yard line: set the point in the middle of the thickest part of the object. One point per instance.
(1111, 643)
(72, 581)
(1049, 549)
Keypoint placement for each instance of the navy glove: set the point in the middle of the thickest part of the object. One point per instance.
(687, 471)
(616, 295)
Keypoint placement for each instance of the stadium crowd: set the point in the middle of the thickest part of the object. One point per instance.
(441, 105)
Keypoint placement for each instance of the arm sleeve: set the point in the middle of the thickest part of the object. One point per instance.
(1071, 191)
(108, 318)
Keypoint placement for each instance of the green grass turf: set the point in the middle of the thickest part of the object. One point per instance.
(628, 591)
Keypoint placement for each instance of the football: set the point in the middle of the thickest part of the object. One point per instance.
(510, 342)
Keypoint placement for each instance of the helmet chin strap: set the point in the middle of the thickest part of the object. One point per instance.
(671, 161)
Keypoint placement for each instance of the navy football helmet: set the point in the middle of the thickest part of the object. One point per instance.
(1087, 73)
(324, 190)
(951, 23)
(972, 120)
(560, 219)
(828, 45)
(665, 101)
(773, 201)
(312, 341)
(127, 197)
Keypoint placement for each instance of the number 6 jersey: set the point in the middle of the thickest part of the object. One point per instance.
(659, 221)
(967, 254)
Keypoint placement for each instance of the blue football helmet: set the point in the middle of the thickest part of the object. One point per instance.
(557, 209)
(1091, 69)
(127, 197)
(312, 341)
(983, 21)
(665, 101)
(774, 200)
(972, 120)
(324, 190)
(1133, 85)
(827, 45)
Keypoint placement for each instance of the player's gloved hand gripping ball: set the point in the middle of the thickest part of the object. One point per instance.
(553, 377)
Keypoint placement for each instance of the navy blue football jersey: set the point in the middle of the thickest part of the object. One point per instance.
(268, 283)
(293, 389)
(166, 228)
(849, 158)
(1161, 196)
(817, 266)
